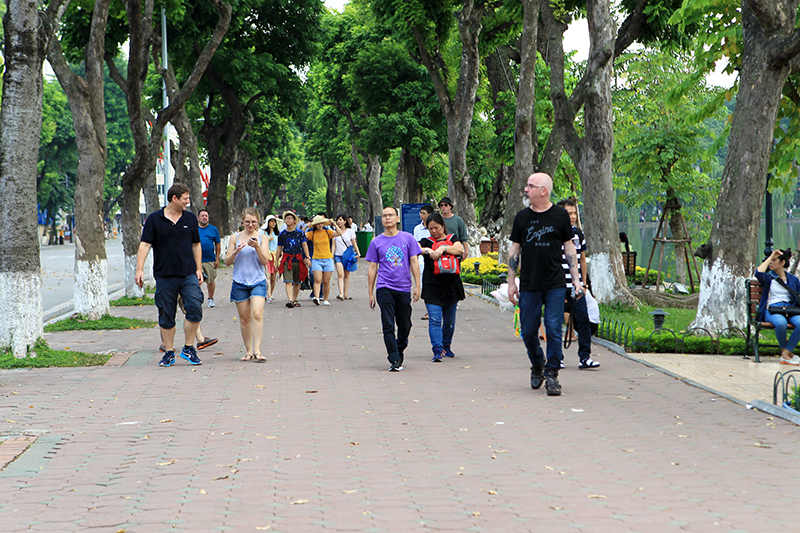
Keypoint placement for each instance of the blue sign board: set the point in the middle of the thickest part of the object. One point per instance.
(409, 214)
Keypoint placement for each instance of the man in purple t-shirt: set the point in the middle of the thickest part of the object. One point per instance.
(392, 256)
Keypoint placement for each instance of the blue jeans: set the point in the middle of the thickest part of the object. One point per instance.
(530, 315)
(395, 308)
(441, 326)
(780, 322)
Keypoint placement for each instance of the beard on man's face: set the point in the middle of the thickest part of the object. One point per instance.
(526, 202)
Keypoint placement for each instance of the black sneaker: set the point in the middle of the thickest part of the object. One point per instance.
(190, 355)
(205, 343)
(168, 359)
(396, 367)
(537, 377)
(552, 386)
(588, 364)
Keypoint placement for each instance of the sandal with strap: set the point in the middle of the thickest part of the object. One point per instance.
(258, 358)
(247, 357)
(296, 304)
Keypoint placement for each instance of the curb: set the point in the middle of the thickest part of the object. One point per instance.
(65, 310)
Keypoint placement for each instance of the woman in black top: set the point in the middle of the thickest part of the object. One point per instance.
(441, 292)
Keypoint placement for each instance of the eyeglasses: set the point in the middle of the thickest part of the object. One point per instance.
(251, 221)
(442, 205)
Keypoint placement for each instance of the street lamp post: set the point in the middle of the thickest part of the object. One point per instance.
(768, 242)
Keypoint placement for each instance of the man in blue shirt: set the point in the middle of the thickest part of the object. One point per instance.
(210, 243)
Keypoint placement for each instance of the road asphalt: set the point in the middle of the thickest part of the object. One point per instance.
(323, 438)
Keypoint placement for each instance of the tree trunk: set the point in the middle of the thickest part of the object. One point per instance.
(676, 229)
(526, 146)
(407, 188)
(374, 172)
(592, 155)
(458, 110)
(498, 73)
(152, 200)
(27, 34)
(86, 101)
(334, 196)
(143, 40)
(607, 273)
(734, 233)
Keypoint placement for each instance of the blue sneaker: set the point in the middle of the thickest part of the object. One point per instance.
(448, 352)
(168, 359)
(190, 355)
(437, 356)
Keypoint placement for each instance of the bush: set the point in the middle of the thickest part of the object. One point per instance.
(488, 269)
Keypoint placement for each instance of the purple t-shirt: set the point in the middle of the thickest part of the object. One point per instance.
(393, 256)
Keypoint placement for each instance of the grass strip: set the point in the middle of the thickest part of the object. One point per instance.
(46, 357)
(80, 323)
(127, 301)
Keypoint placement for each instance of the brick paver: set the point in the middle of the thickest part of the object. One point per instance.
(323, 438)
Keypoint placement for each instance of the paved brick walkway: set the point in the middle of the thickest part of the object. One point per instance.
(323, 438)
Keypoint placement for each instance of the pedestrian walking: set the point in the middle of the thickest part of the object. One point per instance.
(421, 232)
(392, 257)
(538, 233)
(347, 239)
(455, 224)
(249, 254)
(322, 256)
(577, 307)
(271, 233)
(211, 245)
(293, 260)
(172, 233)
(441, 285)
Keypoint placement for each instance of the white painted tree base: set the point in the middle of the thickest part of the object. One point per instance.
(604, 285)
(131, 289)
(723, 299)
(21, 309)
(91, 289)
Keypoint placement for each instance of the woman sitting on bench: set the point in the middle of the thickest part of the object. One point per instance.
(780, 289)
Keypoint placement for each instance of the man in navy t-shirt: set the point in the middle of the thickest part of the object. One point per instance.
(173, 235)
(537, 237)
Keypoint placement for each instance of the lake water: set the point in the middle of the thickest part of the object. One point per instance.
(786, 233)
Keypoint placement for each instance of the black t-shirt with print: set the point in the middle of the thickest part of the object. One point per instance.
(541, 236)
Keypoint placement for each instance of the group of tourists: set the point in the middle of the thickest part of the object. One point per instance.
(402, 269)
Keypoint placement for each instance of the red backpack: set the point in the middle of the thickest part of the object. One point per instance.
(447, 263)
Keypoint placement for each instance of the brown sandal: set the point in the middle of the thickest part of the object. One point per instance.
(258, 358)
(247, 357)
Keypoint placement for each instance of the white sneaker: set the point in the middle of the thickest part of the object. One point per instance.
(794, 361)
(211, 302)
(326, 302)
(315, 300)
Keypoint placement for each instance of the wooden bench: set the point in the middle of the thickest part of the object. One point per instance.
(755, 289)
(629, 263)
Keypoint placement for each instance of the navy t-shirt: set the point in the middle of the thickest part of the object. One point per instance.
(172, 243)
(541, 236)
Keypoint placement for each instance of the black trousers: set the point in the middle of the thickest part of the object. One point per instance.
(395, 310)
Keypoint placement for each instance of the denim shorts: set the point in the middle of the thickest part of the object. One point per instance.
(337, 258)
(242, 293)
(322, 265)
(166, 297)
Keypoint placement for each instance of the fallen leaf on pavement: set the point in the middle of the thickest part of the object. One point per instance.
(597, 496)
(299, 502)
(166, 420)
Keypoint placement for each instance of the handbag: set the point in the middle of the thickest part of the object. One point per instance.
(786, 310)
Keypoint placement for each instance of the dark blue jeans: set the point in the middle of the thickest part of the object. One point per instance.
(395, 309)
(166, 297)
(441, 326)
(530, 316)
